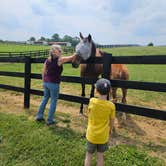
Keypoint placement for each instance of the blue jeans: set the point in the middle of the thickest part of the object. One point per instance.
(51, 90)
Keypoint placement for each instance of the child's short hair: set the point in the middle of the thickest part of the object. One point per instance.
(103, 86)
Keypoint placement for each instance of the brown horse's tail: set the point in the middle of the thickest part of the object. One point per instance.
(125, 73)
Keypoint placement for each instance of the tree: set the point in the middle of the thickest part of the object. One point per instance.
(74, 41)
(48, 40)
(67, 38)
(42, 38)
(55, 37)
(32, 39)
(150, 44)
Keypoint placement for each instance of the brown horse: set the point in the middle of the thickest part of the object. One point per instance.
(118, 72)
(86, 49)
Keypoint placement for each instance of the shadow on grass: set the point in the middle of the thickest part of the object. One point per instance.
(64, 132)
(156, 148)
(62, 128)
(130, 125)
(119, 139)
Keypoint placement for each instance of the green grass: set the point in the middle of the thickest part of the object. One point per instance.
(147, 73)
(130, 51)
(25, 142)
(20, 48)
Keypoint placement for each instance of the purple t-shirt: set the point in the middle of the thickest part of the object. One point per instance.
(53, 71)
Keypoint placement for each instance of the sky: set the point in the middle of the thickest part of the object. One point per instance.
(108, 21)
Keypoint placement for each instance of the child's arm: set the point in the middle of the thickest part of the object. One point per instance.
(111, 126)
(88, 110)
(84, 115)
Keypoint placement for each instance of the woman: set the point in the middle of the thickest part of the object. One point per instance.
(51, 80)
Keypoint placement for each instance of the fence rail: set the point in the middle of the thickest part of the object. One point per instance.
(35, 53)
(149, 86)
(106, 61)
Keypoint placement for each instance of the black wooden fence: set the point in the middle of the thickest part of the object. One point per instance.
(35, 53)
(106, 61)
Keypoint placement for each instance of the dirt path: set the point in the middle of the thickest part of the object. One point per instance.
(137, 130)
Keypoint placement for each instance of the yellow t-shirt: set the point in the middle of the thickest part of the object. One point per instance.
(99, 114)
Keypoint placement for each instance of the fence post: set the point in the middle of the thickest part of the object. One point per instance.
(27, 81)
(107, 59)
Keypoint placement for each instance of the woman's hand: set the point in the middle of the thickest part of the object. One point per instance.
(60, 61)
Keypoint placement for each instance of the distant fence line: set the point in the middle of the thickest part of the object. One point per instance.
(35, 53)
(107, 60)
(116, 45)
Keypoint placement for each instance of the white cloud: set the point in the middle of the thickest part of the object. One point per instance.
(144, 22)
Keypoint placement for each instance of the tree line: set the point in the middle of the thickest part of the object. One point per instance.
(56, 38)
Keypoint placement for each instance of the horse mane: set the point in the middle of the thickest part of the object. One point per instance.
(91, 70)
(93, 51)
(91, 67)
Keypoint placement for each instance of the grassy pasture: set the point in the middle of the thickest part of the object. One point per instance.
(4, 47)
(147, 73)
(125, 51)
(25, 142)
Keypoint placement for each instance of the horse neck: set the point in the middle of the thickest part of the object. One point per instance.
(93, 50)
(92, 70)
(91, 66)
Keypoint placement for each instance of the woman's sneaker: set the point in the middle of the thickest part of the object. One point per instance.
(50, 122)
(40, 119)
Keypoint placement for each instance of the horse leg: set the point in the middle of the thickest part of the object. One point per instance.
(113, 92)
(119, 114)
(92, 91)
(83, 95)
(124, 93)
(114, 100)
(124, 101)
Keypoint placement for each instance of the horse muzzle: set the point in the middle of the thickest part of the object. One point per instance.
(76, 61)
(75, 65)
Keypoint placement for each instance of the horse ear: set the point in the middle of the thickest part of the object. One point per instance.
(89, 37)
(81, 35)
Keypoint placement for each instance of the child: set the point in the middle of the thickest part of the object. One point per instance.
(101, 115)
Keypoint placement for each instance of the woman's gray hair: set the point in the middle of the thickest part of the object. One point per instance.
(54, 47)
